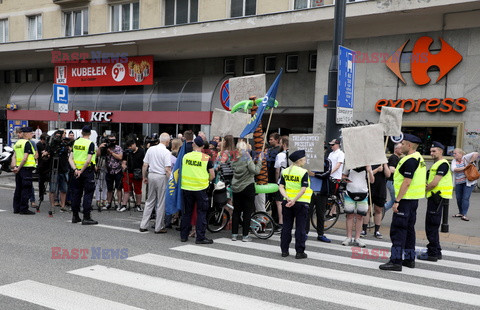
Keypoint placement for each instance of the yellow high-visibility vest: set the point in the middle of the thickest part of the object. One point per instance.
(195, 176)
(445, 185)
(416, 190)
(19, 148)
(293, 183)
(80, 152)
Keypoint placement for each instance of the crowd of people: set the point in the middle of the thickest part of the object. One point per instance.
(77, 170)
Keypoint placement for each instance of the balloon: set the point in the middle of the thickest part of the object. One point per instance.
(266, 189)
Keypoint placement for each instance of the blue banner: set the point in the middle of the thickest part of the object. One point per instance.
(173, 198)
(268, 101)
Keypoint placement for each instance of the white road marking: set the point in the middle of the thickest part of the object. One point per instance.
(320, 293)
(338, 275)
(118, 228)
(184, 291)
(58, 298)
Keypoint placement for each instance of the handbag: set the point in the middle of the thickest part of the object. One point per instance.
(137, 174)
(471, 172)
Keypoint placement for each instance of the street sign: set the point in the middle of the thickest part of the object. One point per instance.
(345, 85)
(225, 95)
(60, 97)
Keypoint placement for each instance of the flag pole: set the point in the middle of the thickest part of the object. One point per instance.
(266, 132)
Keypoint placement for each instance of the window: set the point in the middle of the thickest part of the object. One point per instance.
(312, 64)
(35, 27)
(125, 16)
(181, 12)
(229, 66)
(243, 8)
(270, 64)
(3, 30)
(306, 4)
(292, 63)
(249, 65)
(76, 23)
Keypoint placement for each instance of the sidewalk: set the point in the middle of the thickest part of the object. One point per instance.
(460, 232)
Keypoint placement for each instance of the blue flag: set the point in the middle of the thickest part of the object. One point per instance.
(268, 101)
(173, 197)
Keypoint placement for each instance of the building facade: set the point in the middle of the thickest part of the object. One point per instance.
(198, 44)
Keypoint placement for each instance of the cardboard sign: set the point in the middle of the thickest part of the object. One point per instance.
(241, 88)
(313, 145)
(225, 123)
(391, 120)
(98, 72)
(363, 146)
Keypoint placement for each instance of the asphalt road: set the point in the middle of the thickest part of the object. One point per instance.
(160, 272)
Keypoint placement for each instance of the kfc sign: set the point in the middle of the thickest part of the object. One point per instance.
(91, 116)
(118, 72)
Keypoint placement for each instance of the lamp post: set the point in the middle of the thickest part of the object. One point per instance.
(332, 128)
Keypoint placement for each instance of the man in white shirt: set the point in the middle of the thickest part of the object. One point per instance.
(158, 163)
(337, 157)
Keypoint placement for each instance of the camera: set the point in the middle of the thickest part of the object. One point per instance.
(58, 144)
(110, 142)
(151, 140)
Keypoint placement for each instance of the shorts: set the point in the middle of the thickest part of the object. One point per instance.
(114, 181)
(127, 186)
(379, 201)
(356, 207)
(277, 196)
(61, 184)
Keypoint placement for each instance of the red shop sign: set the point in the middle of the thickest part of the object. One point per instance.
(102, 72)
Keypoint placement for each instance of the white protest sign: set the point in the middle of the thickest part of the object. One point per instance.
(241, 88)
(313, 145)
(225, 123)
(391, 120)
(363, 146)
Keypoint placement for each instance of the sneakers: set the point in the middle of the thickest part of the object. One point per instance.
(347, 241)
(359, 243)
(138, 208)
(363, 234)
(323, 239)
(234, 237)
(247, 239)
(63, 209)
(378, 235)
(122, 209)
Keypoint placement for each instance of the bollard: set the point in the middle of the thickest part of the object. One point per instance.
(444, 228)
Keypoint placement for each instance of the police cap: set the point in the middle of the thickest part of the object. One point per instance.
(412, 138)
(438, 144)
(87, 129)
(199, 141)
(297, 155)
(26, 129)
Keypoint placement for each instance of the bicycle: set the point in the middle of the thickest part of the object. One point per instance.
(335, 206)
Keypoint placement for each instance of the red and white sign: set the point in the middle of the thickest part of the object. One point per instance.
(97, 72)
(92, 116)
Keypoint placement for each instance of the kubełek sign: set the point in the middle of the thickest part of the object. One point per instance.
(117, 72)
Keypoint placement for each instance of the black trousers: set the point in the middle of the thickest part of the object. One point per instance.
(84, 186)
(23, 190)
(319, 204)
(402, 231)
(189, 199)
(433, 219)
(243, 201)
(299, 213)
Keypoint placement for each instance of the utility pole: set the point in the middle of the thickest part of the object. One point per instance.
(333, 129)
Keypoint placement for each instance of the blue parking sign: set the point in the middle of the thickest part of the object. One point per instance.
(60, 93)
(345, 85)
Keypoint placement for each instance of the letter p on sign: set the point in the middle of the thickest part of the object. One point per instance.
(60, 96)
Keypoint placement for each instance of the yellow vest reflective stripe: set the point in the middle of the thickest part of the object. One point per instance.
(416, 190)
(80, 152)
(195, 176)
(293, 183)
(19, 148)
(445, 185)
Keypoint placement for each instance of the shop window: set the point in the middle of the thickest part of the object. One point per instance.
(76, 23)
(125, 16)
(292, 63)
(243, 8)
(449, 134)
(3, 30)
(249, 65)
(229, 66)
(270, 64)
(40, 75)
(7, 77)
(181, 12)
(312, 62)
(18, 76)
(31, 75)
(35, 27)
(306, 4)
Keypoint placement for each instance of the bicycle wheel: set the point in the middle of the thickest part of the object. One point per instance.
(262, 225)
(330, 220)
(217, 220)
(313, 218)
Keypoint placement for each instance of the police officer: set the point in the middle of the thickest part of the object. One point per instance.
(197, 172)
(409, 183)
(82, 160)
(23, 163)
(439, 191)
(295, 188)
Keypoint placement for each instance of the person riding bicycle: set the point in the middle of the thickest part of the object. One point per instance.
(243, 187)
(295, 188)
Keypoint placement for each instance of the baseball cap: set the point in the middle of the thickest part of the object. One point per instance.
(334, 141)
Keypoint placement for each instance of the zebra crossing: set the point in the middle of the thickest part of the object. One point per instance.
(329, 278)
